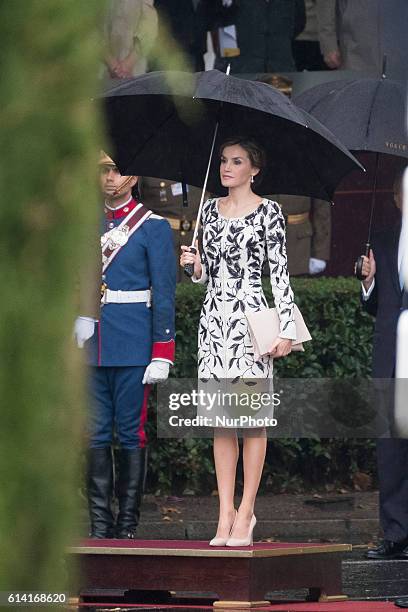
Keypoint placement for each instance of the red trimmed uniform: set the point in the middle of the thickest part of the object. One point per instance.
(127, 338)
(133, 334)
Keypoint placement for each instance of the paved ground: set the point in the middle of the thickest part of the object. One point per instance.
(347, 517)
(350, 517)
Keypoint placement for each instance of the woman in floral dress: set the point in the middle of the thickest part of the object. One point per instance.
(239, 232)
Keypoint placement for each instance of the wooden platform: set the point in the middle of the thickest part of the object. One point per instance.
(344, 606)
(239, 577)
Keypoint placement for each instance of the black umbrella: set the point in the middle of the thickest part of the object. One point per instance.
(162, 124)
(367, 114)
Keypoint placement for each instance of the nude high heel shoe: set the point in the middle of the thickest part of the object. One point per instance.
(248, 541)
(222, 541)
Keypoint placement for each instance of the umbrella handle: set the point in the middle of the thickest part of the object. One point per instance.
(189, 268)
(359, 263)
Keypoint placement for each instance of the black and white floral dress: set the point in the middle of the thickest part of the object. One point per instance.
(234, 250)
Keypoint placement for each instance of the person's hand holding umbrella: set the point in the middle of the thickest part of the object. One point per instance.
(191, 256)
(368, 270)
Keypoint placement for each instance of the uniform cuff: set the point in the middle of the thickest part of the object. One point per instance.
(164, 350)
(163, 360)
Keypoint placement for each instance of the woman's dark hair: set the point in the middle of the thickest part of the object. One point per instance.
(255, 152)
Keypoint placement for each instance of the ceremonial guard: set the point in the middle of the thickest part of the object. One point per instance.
(180, 210)
(130, 348)
(308, 233)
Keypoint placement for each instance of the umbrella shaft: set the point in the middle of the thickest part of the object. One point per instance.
(205, 184)
(377, 161)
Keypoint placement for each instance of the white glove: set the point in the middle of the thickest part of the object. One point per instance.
(156, 371)
(316, 265)
(84, 329)
(227, 3)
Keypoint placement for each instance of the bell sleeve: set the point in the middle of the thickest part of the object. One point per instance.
(278, 267)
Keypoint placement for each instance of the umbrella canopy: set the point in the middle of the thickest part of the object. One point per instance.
(366, 114)
(162, 124)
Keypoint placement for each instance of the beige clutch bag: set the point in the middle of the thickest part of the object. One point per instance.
(264, 328)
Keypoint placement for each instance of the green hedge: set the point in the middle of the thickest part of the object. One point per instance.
(341, 347)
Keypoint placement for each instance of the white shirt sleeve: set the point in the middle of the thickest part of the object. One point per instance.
(368, 292)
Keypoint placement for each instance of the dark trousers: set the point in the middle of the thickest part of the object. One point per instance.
(392, 464)
(308, 56)
(392, 461)
(118, 400)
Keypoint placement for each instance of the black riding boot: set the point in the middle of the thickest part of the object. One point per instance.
(130, 480)
(100, 490)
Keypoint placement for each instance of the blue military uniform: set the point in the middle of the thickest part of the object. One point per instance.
(128, 336)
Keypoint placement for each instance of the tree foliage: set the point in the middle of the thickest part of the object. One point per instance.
(48, 149)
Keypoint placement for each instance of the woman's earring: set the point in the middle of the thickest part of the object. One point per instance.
(252, 178)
